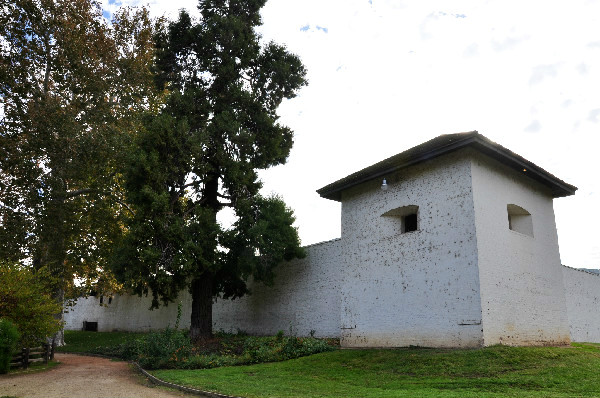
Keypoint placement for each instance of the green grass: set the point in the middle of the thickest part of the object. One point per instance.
(34, 368)
(89, 342)
(497, 371)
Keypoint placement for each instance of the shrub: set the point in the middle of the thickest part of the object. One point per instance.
(279, 348)
(172, 349)
(26, 301)
(163, 350)
(8, 342)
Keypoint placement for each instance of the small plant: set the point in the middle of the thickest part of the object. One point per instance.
(279, 335)
(9, 335)
(178, 316)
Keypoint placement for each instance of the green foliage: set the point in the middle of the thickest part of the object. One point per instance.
(9, 335)
(279, 335)
(172, 349)
(163, 349)
(491, 372)
(26, 301)
(72, 90)
(202, 154)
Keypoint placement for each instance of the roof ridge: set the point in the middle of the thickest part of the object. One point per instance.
(441, 145)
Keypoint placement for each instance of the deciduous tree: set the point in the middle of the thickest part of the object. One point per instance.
(72, 88)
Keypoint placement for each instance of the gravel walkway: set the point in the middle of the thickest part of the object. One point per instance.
(83, 377)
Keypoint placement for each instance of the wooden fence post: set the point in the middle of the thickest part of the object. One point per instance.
(46, 353)
(25, 357)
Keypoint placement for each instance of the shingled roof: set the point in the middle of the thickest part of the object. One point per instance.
(440, 146)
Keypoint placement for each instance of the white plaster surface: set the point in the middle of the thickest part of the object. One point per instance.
(582, 292)
(521, 279)
(417, 288)
(463, 279)
(126, 313)
(304, 297)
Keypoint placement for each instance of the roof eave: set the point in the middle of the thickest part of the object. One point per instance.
(558, 187)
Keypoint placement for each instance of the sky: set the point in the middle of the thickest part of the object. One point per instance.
(387, 75)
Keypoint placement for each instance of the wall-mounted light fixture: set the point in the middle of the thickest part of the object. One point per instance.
(384, 185)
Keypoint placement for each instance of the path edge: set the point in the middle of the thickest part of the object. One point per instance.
(155, 380)
(191, 390)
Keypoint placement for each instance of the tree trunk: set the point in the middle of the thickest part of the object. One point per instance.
(201, 322)
(53, 253)
(59, 338)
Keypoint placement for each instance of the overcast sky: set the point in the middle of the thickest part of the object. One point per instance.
(388, 75)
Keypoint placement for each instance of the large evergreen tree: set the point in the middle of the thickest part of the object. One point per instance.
(201, 154)
(72, 88)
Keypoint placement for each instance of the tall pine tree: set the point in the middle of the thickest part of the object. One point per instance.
(201, 155)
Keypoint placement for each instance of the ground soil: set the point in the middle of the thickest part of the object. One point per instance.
(84, 377)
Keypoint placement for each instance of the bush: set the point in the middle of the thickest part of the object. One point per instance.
(8, 342)
(26, 301)
(172, 349)
(163, 350)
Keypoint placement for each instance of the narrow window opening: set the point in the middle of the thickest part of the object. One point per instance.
(101, 299)
(519, 220)
(410, 223)
(90, 326)
(406, 218)
(109, 300)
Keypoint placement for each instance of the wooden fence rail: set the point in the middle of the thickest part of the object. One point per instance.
(26, 356)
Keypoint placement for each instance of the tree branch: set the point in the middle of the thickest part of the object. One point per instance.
(79, 192)
(47, 71)
(16, 211)
(191, 209)
(84, 191)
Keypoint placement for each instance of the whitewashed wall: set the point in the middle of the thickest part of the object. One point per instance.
(418, 288)
(521, 277)
(304, 297)
(126, 313)
(582, 291)
(463, 279)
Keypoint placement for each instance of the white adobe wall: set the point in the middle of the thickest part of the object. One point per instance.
(126, 313)
(305, 297)
(582, 291)
(521, 277)
(418, 288)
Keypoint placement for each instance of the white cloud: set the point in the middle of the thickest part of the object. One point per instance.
(593, 116)
(541, 72)
(534, 127)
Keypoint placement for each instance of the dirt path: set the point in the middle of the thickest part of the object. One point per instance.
(83, 377)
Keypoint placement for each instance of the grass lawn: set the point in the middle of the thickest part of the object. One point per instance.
(497, 371)
(78, 341)
(33, 368)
